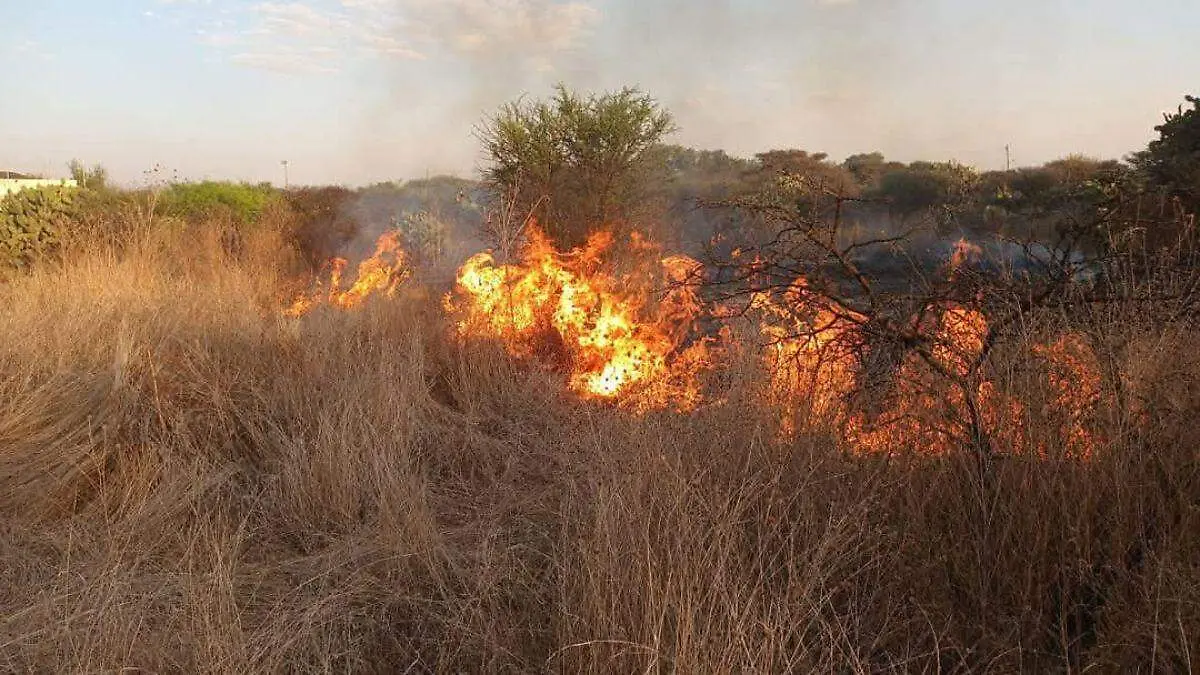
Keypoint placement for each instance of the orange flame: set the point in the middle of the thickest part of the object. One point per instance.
(613, 345)
(382, 273)
(1075, 381)
(807, 354)
(959, 339)
(964, 252)
(617, 342)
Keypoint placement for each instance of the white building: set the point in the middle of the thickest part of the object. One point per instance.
(12, 181)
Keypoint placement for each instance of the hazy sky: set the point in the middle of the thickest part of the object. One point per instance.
(354, 91)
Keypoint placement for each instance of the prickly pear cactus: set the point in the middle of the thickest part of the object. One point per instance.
(31, 223)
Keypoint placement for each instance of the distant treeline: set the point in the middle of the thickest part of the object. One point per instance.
(603, 165)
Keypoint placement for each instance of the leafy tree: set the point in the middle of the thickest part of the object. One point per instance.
(576, 162)
(693, 179)
(89, 178)
(869, 168)
(1072, 171)
(1172, 161)
(699, 171)
(805, 181)
(1040, 202)
(814, 170)
(928, 187)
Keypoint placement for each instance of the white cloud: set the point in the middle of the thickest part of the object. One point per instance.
(218, 38)
(282, 36)
(298, 19)
(533, 27)
(387, 45)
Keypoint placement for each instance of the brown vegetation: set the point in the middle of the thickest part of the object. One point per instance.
(191, 482)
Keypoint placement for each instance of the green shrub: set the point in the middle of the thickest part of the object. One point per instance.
(31, 225)
(242, 202)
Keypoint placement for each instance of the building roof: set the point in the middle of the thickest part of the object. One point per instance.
(15, 175)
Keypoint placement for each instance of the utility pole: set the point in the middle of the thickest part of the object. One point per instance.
(285, 174)
(1007, 158)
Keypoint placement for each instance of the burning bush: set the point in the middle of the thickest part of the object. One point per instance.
(605, 331)
(648, 338)
(189, 482)
(381, 273)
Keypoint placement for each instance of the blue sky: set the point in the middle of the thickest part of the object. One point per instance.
(354, 91)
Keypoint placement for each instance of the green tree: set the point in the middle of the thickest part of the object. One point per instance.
(695, 180)
(576, 163)
(928, 188)
(88, 177)
(1172, 161)
(806, 181)
(814, 169)
(869, 168)
(1075, 170)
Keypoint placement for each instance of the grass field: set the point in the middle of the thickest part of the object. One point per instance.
(190, 482)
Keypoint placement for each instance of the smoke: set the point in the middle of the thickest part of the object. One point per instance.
(840, 76)
(915, 79)
(440, 221)
(477, 54)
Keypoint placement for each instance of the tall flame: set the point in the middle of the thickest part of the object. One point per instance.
(807, 353)
(381, 273)
(636, 339)
(1075, 383)
(613, 345)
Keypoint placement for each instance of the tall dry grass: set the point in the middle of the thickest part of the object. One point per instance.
(189, 483)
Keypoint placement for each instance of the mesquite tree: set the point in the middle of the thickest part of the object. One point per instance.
(576, 163)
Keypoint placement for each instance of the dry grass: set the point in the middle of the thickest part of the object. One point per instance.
(190, 484)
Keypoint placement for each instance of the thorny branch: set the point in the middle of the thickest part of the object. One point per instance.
(1087, 262)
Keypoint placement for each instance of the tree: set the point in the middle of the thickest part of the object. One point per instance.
(576, 163)
(924, 188)
(1040, 201)
(800, 179)
(844, 312)
(868, 168)
(814, 169)
(1172, 161)
(90, 178)
(1075, 170)
(693, 178)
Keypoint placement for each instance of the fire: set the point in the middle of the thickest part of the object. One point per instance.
(383, 272)
(964, 252)
(606, 333)
(636, 337)
(1076, 386)
(932, 413)
(928, 411)
(959, 339)
(807, 354)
